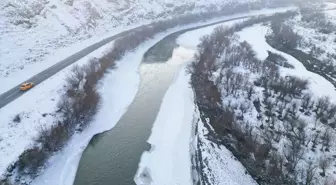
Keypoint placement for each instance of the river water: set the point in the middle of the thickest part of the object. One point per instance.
(112, 157)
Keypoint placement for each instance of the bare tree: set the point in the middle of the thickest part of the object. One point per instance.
(321, 108)
(296, 128)
(330, 181)
(306, 101)
(293, 154)
(269, 112)
(315, 139)
(76, 77)
(296, 85)
(250, 91)
(326, 139)
(309, 174)
(243, 108)
(331, 112)
(324, 164)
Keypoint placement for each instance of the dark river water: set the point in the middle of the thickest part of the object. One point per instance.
(112, 157)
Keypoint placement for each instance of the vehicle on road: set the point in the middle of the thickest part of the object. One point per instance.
(26, 86)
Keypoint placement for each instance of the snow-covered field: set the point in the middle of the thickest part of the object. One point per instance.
(320, 45)
(256, 37)
(318, 87)
(38, 33)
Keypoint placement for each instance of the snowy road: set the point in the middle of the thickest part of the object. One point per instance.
(14, 93)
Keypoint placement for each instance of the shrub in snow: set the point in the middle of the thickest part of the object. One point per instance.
(17, 118)
(31, 160)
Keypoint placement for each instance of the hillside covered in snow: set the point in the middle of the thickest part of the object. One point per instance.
(35, 34)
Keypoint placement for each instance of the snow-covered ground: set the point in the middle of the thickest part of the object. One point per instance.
(36, 34)
(318, 86)
(20, 59)
(256, 37)
(43, 99)
(221, 166)
(320, 45)
(332, 15)
(330, 4)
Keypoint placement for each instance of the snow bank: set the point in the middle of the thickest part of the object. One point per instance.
(256, 37)
(168, 162)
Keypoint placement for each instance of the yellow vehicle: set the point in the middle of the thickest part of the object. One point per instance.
(26, 86)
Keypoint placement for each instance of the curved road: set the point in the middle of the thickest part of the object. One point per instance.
(15, 92)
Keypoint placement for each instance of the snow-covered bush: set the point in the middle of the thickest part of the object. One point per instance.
(17, 118)
(25, 11)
